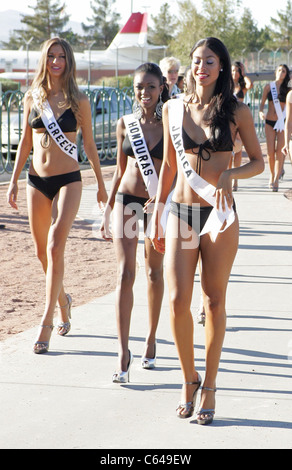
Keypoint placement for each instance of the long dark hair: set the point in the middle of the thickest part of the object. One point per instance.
(154, 69)
(220, 111)
(284, 88)
(241, 80)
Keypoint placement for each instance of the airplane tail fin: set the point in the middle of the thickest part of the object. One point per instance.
(133, 34)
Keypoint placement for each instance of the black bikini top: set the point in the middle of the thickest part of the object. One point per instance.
(282, 99)
(204, 149)
(67, 121)
(156, 152)
(239, 94)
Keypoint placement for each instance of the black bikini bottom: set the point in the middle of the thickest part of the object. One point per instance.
(135, 203)
(195, 216)
(51, 185)
(271, 123)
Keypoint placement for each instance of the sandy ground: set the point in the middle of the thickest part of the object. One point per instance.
(90, 265)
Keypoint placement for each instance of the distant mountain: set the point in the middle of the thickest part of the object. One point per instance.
(11, 19)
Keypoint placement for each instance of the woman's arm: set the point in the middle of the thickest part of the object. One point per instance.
(23, 151)
(118, 174)
(90, 147)
(255, 166)
(166, 177)
(263, 100)
(288, 124)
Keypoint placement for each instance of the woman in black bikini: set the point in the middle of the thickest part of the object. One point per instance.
(275, 139)
(241, 85)
(54, 179)
(128, 196)
(211, 117)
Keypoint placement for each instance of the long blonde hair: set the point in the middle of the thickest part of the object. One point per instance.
(69, 84)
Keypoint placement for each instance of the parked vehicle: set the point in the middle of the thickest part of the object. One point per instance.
(108, 104)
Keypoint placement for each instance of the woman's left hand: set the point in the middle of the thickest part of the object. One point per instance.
(224, 197)
(101, 197)
(149, 206)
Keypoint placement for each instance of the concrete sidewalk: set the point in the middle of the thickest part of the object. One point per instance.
(65, 399)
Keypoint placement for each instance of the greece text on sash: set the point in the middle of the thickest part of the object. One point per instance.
(61, 139)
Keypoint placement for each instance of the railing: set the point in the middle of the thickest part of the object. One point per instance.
(107, 106)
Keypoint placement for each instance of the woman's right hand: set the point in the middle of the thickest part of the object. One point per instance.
(262, 115)
(12, 195)
(157, 234)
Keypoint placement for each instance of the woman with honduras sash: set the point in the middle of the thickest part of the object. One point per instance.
(139, 158)
(53, 111)
(275, 92)
(199, 133)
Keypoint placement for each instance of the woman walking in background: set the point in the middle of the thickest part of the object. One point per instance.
(276, 93)
(139, 158)
(199, 132)
(241, 85)
(288, 126)
(53, 111)
(170, 68)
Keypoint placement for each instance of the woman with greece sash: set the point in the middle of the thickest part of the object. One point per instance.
(202, 220)
(275, 92)
(139, 158)
(54, 109)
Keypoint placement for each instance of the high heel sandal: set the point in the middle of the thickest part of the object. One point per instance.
(186, 410)
(123, 377)
(65, 326)
(209, 414)
(147, 362)
(41, 347)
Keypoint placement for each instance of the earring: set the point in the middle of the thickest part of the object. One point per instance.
(221, 70)
(158, 109)
(137, 110)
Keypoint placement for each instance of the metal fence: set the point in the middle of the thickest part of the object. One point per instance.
(107, 106)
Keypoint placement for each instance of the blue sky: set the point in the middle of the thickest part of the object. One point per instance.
(79, 11)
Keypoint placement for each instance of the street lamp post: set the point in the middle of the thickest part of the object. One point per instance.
(27, 60)
(89, 62)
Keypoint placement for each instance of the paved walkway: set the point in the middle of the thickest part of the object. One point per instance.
(65, 399)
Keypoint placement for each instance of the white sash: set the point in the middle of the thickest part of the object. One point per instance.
(141, 152)
(204, 189)
(280, 124)
(145, 163)
(54, 129)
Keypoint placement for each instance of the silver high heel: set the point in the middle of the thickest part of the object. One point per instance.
(41, 347)
(209, 414)
(123, 377)
(65, 326)
(186, 410)
(147, 362)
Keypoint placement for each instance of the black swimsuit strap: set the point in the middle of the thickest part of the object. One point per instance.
(201, 148)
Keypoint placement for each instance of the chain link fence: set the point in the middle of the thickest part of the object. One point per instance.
(108, 104)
